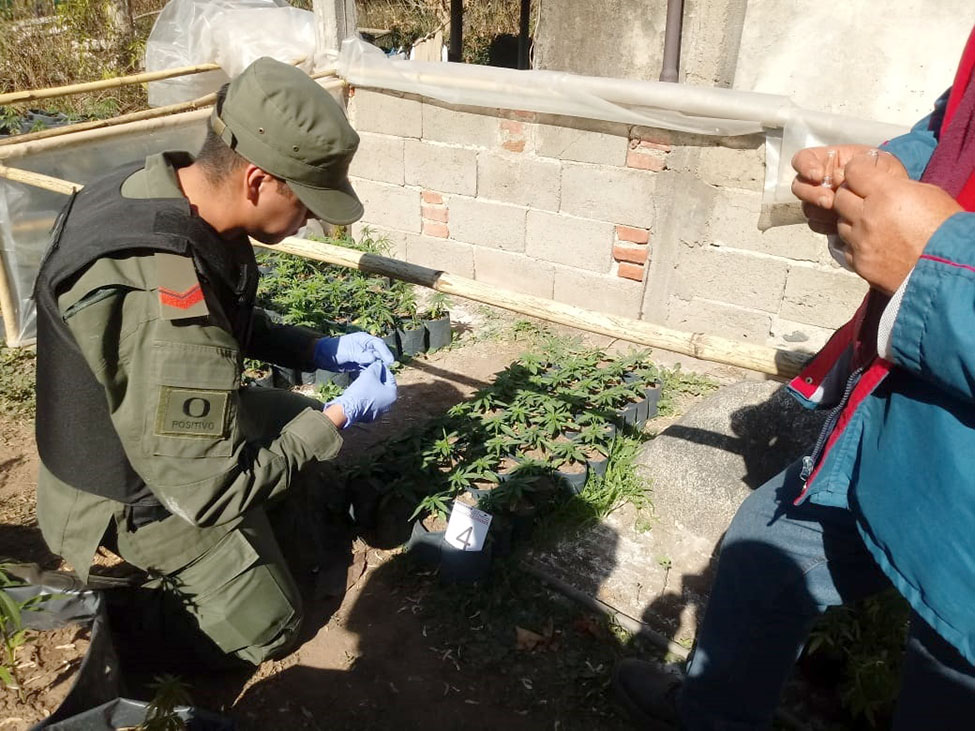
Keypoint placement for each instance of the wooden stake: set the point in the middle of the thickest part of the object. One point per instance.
(100, 123)
(70, 89)
(7, 309)
(772, 361)
(11, 152)
(39, 180)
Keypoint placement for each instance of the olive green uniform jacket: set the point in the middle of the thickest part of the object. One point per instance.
(210, 451)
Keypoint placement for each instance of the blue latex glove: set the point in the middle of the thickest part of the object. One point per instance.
(351, 352)
(371, 394)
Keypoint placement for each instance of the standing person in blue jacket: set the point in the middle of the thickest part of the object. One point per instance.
(887, 495)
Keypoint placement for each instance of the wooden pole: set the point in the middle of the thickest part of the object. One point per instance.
(524, 35)
(10, 152)
(203, 101)
(39, 180)
(30, 95)
(7, 309)
(113, 121)
(455, 50)
(772, 361)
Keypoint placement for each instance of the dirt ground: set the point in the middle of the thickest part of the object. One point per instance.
(398, 649)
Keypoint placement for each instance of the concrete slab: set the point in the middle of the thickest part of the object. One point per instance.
(656, 565)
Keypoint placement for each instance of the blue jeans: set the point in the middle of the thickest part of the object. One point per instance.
(780, 567)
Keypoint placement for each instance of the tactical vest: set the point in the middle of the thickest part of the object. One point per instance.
(75, 436)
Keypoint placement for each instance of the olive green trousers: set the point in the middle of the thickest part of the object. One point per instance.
(237, 591)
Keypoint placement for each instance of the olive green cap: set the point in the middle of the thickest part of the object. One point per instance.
(279, 119)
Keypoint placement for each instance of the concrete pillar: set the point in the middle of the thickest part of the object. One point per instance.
(335, 20)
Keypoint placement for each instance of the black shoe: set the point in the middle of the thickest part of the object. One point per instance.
(648, 693)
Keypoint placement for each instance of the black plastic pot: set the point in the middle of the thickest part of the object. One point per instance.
(411, 340)
(97, 679)
(284, 377)
(456, 566)
(263, 381)
(392, 342)
(342, 379)
(629, 415)
(598, 465)
(438, 333)
(653, 400)
(307, 378)
(126, 713)
(574, 481)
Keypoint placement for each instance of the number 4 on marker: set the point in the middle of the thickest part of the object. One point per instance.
(465, 537)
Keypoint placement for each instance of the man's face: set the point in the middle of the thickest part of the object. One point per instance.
(280, 213)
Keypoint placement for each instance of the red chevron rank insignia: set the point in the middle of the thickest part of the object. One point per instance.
(180, 294)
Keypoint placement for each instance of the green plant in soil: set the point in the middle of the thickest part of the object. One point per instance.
(438, 306)
(170, 692)
(254, 370)
(13, 634)
(328, 392)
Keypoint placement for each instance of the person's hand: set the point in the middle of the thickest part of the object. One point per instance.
(369, 396)
(886, 221)
(812, 166)
(351, 352)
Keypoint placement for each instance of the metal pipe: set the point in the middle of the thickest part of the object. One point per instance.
(675, 22)
(456, 49)
(524, 38)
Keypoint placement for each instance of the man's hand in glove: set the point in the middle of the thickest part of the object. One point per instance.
(371, 394)
(351, 352)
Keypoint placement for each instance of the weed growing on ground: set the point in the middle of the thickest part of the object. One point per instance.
(867, 641)
(676, 381)
(13, 633)
(17, 376)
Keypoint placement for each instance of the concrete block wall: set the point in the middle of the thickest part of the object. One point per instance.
(631, 221)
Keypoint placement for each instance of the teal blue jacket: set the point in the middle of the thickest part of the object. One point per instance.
(901, 452)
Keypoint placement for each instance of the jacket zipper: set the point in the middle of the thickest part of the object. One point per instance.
(809, 461)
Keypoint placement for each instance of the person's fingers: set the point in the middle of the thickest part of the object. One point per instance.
(813, 194)
(823, 227)
(810, 163)
(382, 350)
(848, 205)
(818, 213)
(844, 229)
(865, 174)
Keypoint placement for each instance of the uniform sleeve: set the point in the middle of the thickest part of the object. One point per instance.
(286, 345)
(932, 335)
(172, 391)
(915, 148)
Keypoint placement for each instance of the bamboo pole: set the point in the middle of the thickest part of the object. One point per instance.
(7, 309)
(111, 122)
(71, 89)
(38, 180)
(22, 149)
(772, 361)
(144, 121)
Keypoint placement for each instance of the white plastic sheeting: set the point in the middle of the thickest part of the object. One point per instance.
(231, 33)
(678, 107)
(235, 32)
(27, 212)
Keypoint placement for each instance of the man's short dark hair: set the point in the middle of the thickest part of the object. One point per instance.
(216, 157)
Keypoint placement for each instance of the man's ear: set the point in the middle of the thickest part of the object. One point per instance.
(254, 177)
